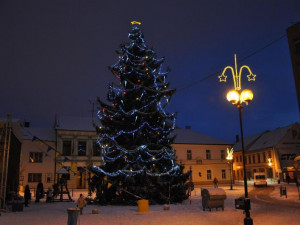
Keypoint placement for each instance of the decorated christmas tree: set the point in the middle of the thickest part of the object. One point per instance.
(138, 159)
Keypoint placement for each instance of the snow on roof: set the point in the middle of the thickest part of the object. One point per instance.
(75, 123)
(247, 142)
(45, 134)
(263, 140)
(187, 136)
(270, 139)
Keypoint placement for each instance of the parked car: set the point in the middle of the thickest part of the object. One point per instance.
(260, 179)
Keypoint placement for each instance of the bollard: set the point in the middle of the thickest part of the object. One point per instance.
(166, 207)
(143, 205)
(72, 216)
(283, 191)
(95, 211)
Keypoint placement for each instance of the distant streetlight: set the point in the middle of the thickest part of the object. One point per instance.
(238, 97)
(269, 162)
(230, 163)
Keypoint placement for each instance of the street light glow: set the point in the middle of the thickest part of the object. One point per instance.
(233, 96)
(246, 96)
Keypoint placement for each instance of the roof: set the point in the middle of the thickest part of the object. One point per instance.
(187, 136)
(45, 134)
(267, 139)
(248, 141)
(75, 123)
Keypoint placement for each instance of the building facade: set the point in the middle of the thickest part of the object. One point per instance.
(204, 155)
(10, 150)
(272, 152)
(74, 147)
(37, 157)
(76, 144)
(77, 149)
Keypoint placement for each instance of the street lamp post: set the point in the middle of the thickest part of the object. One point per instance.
(239, 97)
(230, 163)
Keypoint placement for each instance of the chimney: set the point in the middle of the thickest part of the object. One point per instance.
(237, 138)
(187, 127)
(26, 124)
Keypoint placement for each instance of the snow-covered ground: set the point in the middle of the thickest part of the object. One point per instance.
(179, 214)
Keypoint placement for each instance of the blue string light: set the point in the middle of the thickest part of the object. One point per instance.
(129, 69)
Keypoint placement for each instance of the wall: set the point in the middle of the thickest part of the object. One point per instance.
(46, 167)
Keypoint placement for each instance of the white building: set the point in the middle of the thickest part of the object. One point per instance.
(272, 152)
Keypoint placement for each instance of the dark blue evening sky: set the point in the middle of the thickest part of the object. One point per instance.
(54, 57)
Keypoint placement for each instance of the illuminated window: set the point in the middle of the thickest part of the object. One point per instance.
(208, 155)
(81, 148)
(67, 146)
(222, 154)
(223, 174)
(35, 157)
(189, 154)
(208, 174)
(34, 177)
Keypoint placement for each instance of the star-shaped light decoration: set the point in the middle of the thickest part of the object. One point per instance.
(135, 22)
(222, 78)
(251, 77)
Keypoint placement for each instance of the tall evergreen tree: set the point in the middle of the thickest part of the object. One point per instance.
(135, 131)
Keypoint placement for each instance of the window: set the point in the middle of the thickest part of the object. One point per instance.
(34, 177)
(237, 159)
(208, 155)
(253, 157)
(35, 157)
(241, 159)
(67, 146)
(249, 159)
(264, 157)
(81, 148)
(208, 174)
(223, 174)
(96, 149)
(222, 154)
(189, 154)
(258, 157)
